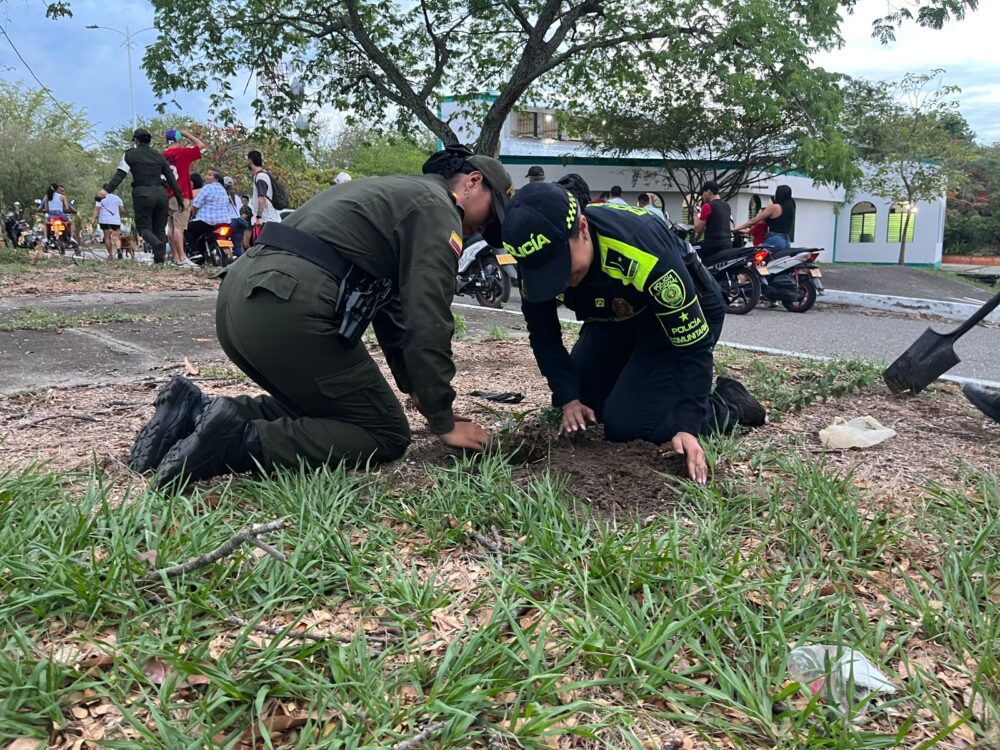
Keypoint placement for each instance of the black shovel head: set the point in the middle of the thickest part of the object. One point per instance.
(929, 357)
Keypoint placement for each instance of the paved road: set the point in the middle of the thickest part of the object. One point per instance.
(902, 282)
(131, 350)
(837, 331)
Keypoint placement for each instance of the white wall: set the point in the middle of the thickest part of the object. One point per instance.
(928, 234)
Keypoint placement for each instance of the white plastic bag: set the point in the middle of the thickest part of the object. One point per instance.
(860, 432)
(831, 669)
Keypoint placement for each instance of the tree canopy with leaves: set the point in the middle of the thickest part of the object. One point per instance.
(905, 134)
(732, 126)
(377, 58)
(39, 145)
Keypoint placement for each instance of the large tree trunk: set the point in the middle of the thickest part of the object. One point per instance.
(902, 239)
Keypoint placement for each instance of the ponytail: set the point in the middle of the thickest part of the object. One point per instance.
(449, 162)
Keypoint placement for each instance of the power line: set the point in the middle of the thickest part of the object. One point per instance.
(45, 88)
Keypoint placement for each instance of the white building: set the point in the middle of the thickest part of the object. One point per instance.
(864, 230)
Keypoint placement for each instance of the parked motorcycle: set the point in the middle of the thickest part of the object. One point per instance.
(485, 272)
(733, 269)
(212, 248)
(790, 277)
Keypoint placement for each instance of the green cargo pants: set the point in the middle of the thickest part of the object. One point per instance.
(327, 403)
(150, 206)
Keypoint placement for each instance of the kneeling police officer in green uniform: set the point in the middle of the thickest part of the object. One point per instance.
(291, 313)
(643, 363)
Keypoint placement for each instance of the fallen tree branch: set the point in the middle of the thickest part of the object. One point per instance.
(279, 556)
(418, 739)
(226, 549)
(81, 417)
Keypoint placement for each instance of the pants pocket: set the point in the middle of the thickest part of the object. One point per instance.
(278, 283)
(358, 390)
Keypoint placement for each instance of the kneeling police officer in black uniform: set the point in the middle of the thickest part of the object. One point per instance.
(291, 313)
(643, 363)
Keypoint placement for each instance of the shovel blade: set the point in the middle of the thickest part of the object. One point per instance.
(929, 357)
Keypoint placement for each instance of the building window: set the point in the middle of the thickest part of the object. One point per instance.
(754, 206)
(548, 125)
(897, 216)
(526, 123)
(863, 218)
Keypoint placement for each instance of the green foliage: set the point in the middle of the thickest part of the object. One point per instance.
(39, 145)
(461, 327)
(497, 333)
(783, 119)
(972, 226)
(382, 60)
(370, 152)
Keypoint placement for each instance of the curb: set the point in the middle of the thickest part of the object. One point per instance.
(950, 310)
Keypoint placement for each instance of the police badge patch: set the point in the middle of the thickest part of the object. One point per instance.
(669, 290)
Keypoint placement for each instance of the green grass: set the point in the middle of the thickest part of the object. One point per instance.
(40, 319)
(605, 630)
(461, 327)
(497, 333)
(795, 384)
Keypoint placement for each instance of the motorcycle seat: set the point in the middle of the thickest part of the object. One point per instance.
(787, 252)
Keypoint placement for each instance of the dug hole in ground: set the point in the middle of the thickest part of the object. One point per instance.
(555, 593)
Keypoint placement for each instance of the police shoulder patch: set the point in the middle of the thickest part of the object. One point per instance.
(456, 243)
(669, 290)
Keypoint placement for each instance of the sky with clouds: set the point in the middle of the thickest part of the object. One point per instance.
(88, 67)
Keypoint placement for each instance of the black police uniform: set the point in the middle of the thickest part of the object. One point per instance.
(149, 197)
(643, 361)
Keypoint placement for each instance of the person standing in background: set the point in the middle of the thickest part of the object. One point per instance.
(263, 190)
(180, 159)
(108, 214)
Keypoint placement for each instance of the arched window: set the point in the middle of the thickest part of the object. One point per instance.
(897, 217)
(863, 218)
(754, 206)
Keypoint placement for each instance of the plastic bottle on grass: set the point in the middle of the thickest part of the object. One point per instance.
(830, 670)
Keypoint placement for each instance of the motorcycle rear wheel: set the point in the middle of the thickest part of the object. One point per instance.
(807, 290)
(496, 284)
(741, 289)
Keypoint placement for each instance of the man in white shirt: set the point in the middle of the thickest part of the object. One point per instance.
(616, 195)
(108, 211)
(263, 190)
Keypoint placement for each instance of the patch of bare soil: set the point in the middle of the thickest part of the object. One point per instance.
(63, 276)
(939, 434)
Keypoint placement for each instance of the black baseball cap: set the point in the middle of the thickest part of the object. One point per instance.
(535, 172)
(502, 188)
(540, 220)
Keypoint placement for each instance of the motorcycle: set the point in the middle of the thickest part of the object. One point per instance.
(790, 277)
(485, 273)
(733, 269)
(212, 248)
(59, 238)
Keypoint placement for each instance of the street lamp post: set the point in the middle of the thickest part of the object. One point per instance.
(129, 44)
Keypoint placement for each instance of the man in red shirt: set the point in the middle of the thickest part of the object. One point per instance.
(181, 158)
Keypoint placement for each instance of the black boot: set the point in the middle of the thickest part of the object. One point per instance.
(178, 406)
(223, 441)
(988, 402)
(747, 410)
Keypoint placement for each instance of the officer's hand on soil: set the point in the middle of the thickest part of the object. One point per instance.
(687, 445)
(575, 417)
(466, 435)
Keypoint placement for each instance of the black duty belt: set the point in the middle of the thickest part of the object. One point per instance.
(316, 251)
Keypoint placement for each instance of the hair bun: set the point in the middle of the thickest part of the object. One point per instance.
(447, 162)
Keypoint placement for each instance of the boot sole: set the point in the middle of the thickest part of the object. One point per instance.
(167, 427)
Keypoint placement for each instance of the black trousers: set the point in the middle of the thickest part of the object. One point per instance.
(633, 386)
(150, 205)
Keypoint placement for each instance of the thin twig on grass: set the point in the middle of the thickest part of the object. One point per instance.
(248, 535)
(81, 417)
(418, 739)
(279, 556)
(284, 633)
